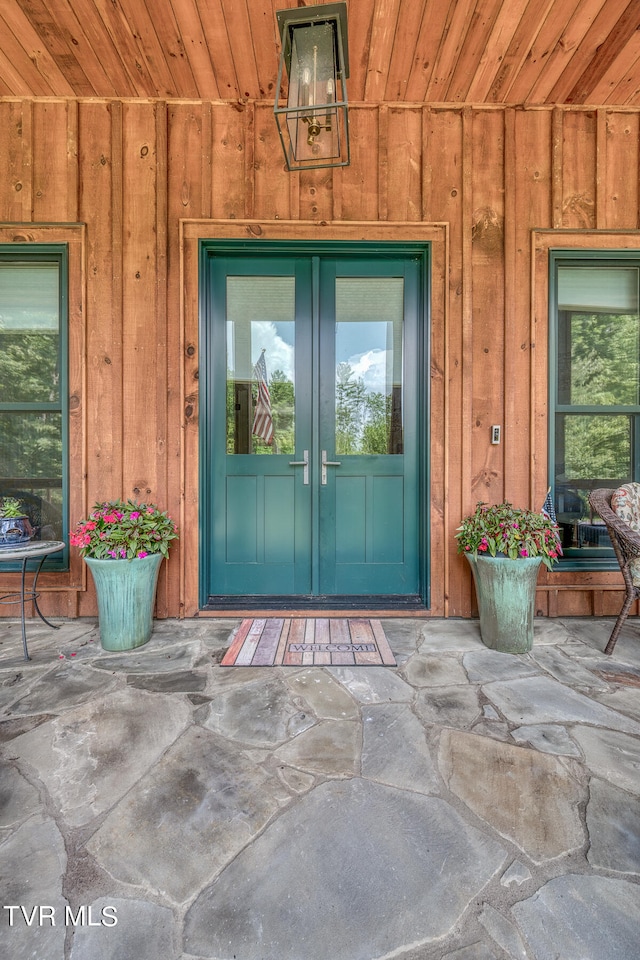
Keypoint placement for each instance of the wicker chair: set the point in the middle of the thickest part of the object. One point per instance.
(626, 544)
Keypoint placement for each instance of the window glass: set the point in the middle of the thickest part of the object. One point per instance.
(31, 390)
(260, 365)
(596, 395)
(29, 331)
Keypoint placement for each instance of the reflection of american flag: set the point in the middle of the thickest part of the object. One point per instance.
(548, 509)
(262, 419)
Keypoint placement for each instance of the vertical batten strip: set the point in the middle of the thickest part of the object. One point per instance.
(164, 382)
(206, 158)
(556, 167)
(601, 167)
(512, 351)
(117, 290)
(465, 431)
(249, 161)
(73, 178)
(383, 162)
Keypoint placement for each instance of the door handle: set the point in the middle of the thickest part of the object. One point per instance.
(327, 463)
(302, 463)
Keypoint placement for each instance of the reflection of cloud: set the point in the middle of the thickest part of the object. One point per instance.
(279, 355)
(371, 366)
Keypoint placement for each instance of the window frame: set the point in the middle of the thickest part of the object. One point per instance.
(64, 584)
(584, 257)
(50, 253)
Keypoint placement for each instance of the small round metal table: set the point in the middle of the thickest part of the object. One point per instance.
(36, 550)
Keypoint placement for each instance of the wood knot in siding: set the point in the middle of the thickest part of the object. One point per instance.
(579, 211)
(488, 230)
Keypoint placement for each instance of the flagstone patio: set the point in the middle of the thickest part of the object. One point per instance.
(464, 805)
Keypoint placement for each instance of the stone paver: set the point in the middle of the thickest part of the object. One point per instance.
(349, 885)
(90, 757)
(330, 748)
(66, 686)
(457, 706)
(548, 738)
(433, 671)
(484, 665)
(143, 929)
(563, 668)
(201, 795)
(611, 755)
(260, 713)
(373, 684)
(526, 796)
(33, 863)
(575, 917)
(503, 932)
(543, 700)
(613, 824)
(325, 696)
(395, 750)
(464, 805)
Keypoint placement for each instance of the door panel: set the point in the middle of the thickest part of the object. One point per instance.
(260, 541)
(369, 350)
(310, 461)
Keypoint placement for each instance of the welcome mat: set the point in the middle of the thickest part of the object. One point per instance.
(302, 642)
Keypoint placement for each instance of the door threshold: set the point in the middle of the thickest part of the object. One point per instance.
(300, 606)
(367, 614)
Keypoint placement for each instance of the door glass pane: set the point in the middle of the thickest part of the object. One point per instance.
(260, 365)
(368, 383)
(598, 336)
(29, 332)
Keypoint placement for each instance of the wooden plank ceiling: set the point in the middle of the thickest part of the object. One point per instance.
(472, 51)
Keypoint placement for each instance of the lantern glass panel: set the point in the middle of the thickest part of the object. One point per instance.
(312, 121)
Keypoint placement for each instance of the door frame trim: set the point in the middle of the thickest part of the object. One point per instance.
(320, 234)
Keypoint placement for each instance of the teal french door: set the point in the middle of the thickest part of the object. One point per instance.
(313, 443)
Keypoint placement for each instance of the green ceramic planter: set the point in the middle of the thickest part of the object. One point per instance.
(126, 591)
(506, 592)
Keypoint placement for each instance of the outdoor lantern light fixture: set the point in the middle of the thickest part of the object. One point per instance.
(313, 126)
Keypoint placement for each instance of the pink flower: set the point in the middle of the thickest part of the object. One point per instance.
(142, 553)
(524, 552)
(135, 514)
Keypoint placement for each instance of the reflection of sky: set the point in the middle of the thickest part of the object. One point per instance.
(277, 339)
(372, 368)
(360, 344)
(364, 347)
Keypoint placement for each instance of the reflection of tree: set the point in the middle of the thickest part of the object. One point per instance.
(362, 419)
(283, 413)
(601, 371)
(30, 441)
(241, 400)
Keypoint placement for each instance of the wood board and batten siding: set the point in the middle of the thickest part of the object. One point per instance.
(492, 187)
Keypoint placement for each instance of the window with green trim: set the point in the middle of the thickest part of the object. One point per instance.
(33, 384)
(595, 391)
